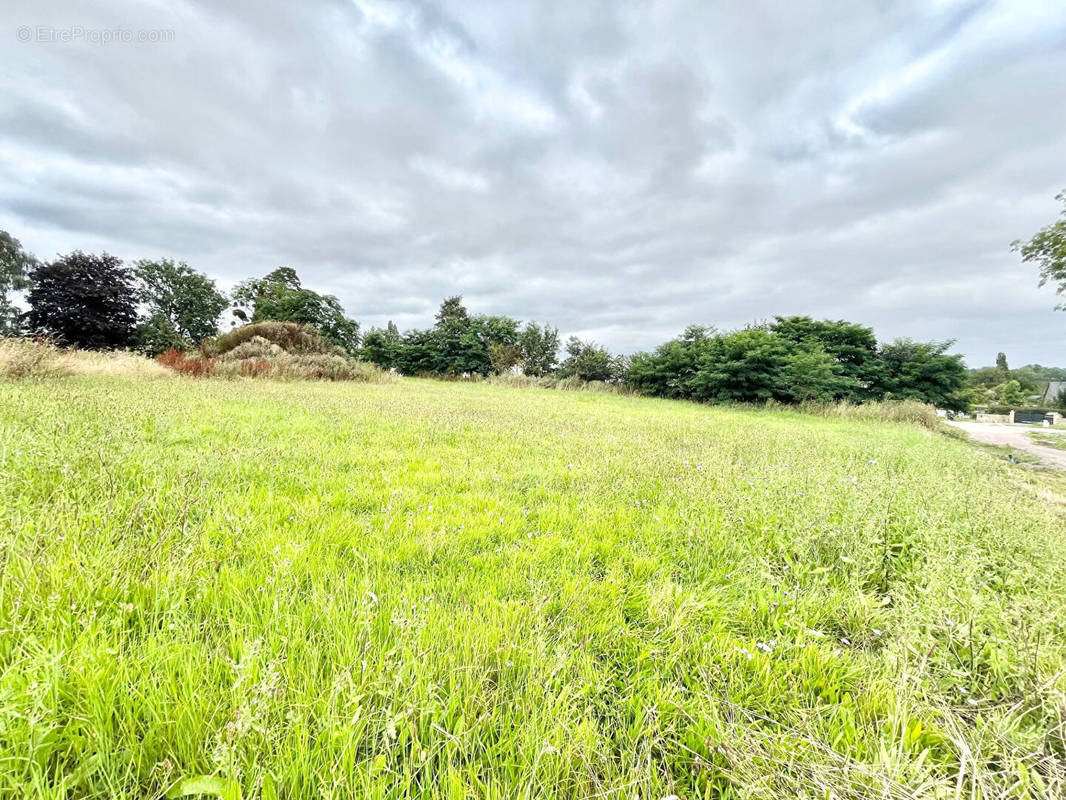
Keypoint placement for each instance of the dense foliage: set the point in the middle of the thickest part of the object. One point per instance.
(181, 306)
(83, 300)
(280, 296)
(588, 361)
(1035, 373)
(1001, 387)
(797, 359)
(92, 301)
(463, 344)
(924, 371)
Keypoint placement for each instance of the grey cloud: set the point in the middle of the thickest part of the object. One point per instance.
(621, 169)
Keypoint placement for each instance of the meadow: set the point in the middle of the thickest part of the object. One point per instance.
(259, 589)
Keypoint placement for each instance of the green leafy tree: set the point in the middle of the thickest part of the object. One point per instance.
(1060, 400)
(1035, 374)
(985, 377)
(497, 333)
(852, 346)
(181, 306)
(84, 300)
(461, 344)
(418, 353)
(540, 349)
(454, 347)
(1047, 249)
(281, 297)
(746, 366)
(1011, 393)
(383, 346)
(452, 311)
(925, 371)
(1002, 369)
(588, 361)
(668, 370)
(156, 334)
(977, 396)
(15, 267)
(504, 357)
(811, 374)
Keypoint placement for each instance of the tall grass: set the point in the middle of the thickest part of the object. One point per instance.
(259, 358)
(282, 590)
(30, 358)
(570, 384)
(26, 358)
(290, 337)
(911, 412)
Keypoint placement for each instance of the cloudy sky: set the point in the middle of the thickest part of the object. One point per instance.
(621, 169)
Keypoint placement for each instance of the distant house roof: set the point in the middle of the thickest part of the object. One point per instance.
(1054, 389)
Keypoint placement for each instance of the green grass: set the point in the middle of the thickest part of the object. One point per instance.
(1055, 440)
(449, 590)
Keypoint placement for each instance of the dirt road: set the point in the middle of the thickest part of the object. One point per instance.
(1017, 436)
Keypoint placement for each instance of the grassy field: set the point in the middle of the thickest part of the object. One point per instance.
(1055, 440)
(288, 590)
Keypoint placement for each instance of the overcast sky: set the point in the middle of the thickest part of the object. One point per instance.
(620, 169)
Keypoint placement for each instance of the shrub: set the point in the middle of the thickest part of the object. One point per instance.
(589, 362)
(292, 337)
(170, 358)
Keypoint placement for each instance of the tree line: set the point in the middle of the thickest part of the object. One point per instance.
(797, 359)
(1001, 387)
(95, 301)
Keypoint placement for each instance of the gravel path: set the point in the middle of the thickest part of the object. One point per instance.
(1017, 436)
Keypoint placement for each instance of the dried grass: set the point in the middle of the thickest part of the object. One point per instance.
(910, 412)
(292, 337)
(37, 359)
(571, 384)
(259, 358)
